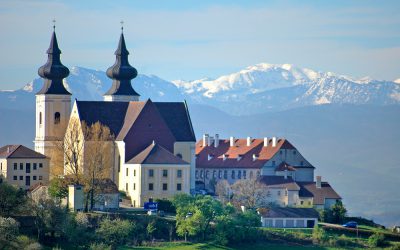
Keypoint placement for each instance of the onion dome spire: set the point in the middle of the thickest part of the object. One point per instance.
(53, 71)
(121, 72)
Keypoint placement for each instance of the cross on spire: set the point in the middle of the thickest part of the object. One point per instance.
(122, 25)
(54, 24)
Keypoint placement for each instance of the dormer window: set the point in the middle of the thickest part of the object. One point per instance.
(255, 157)
(224, 157)
(239, 157)
(209, 157)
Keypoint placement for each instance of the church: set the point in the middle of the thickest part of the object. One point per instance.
(152, 150)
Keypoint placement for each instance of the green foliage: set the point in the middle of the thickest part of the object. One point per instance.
(58, 188)
(335, 214)
(99, 246)
(151, 228)
(115, 232)
(376, 240)
(9, 229)
(320, 236)
(24, 242)
(76, 229)
(166, 206)
(12, 199)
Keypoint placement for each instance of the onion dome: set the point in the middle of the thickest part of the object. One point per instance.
(121, 72)
(53, 71)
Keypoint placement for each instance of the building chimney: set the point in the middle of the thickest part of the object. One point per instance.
(205, 139)
(265, 141)
(318, 182)
(232, 141)
(248, 141)
(255, 157)
(8, 149)
(216, 142)
(285, 174)
(274, 141)
(210, 140)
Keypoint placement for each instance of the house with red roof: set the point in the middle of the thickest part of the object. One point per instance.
(275, 162)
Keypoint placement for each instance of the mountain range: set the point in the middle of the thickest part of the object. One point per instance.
(347, 128)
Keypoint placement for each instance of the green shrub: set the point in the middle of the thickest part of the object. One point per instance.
(320, 236)
(166, 206)
(376, 240)
(99, 246)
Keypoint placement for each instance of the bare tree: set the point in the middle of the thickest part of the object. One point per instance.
(224, 191)
(250, 193)
(98, 160)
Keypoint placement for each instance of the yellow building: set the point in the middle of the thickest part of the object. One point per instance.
(23, 167)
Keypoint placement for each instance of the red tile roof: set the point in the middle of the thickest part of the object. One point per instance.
(156, 154)
(19, 151)
(309, 189)
(240, 149)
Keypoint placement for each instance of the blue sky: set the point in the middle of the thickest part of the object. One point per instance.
(196, 39)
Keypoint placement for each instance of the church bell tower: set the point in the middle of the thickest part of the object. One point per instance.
(53, 108)
(121, 73)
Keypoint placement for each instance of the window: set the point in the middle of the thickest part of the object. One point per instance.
(28, 168)
(268, 193)
(197, 174)
(21, 178)
(225, 174)
(56, 117)
(151, 172)
(214, 174)
(134, 186)
(21, 166)
(273, 163)
(179, 173)
(126, 187)
(201, 174)
(179, 155)
(15, 178)
(40, 165)
(251, 174)
(119, 163)
(258, 174)
(280, 152)
(207, 174)
(179, 186)
(165, 173)
(34, 166)
(1, 166)
(27, 181)
(239, 174)
(127, 172)
(233, 174)
(164, 186)
(15, 166)
(301, 163)
(151, 187)
(301, 202)
(134, 172)
(34, 178)
(220, 174)
(40, 118)
(279, 193)
(244, 174)
(294, 152)
(40, 177)
(286, 193)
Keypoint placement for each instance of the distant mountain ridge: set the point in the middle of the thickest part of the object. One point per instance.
(256, 89)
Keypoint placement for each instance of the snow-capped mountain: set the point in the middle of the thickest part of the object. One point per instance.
(264, 87)
(256, 89)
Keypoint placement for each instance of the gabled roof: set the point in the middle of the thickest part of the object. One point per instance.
(111, 114)
(284, 166)
(289, 212)
(309, 189)
(106, 186)
(19, 151)
(156, 154)
(279, 182)
(246, 152)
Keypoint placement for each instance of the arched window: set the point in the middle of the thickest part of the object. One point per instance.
(56, 117)
(244, 174)
(40, 118)
(225, 174)
(233, 174)
(179, 155)
(239, 174)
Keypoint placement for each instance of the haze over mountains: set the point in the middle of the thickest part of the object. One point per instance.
(347, 128)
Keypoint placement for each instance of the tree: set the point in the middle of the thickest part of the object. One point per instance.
(338, 212)
(250, 193)
(12, 199)
(98, 144)
(9, 229)
(58, 188)
(224, 191)
(115, 232)
(151, 228)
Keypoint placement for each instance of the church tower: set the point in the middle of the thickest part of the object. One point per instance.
(53, 108)
(121, 73)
